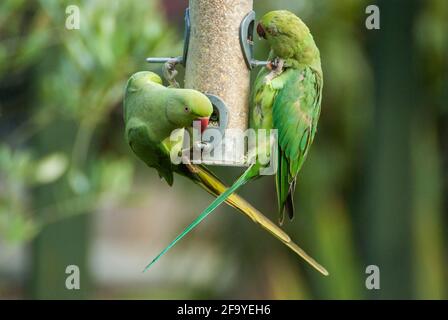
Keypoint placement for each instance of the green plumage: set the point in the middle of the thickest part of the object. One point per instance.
(290, 39)
(290, 102)
(152, 112)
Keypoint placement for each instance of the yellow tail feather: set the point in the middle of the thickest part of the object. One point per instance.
(213, 185)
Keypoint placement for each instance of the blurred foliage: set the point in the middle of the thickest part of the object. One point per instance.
(62, 151)
(49, 74)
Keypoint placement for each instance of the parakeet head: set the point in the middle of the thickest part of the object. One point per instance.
(186, 106)
(182, 106)
(281, 23)
(288, 36)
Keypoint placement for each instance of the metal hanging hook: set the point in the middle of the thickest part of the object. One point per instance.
(247, 41)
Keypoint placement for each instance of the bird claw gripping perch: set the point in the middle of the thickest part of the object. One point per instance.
(170, 72)
(276, 66)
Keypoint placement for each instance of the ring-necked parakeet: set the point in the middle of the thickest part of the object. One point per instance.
(151, 112)
(288, 99)
(290, 102)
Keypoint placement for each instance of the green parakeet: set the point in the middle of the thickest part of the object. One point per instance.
(151, 112)
(290, 102)
(288, 99)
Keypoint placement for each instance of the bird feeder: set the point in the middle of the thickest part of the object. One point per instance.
(218, 57)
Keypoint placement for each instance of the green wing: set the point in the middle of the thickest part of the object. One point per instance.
(154, 154)
(296, 110)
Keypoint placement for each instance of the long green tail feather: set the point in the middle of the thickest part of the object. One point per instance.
(247, 176)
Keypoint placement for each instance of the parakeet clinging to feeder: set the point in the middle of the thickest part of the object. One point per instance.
(151, 113)
(286, 97)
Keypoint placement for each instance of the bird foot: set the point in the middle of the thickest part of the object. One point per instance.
(170, 72)
(276, 66)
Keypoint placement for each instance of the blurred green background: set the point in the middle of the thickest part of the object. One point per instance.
(373, 191)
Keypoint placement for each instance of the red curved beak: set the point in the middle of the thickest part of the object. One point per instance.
(260, 31)
(204, 123)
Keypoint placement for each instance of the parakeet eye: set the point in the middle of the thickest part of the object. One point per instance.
(187, 109)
